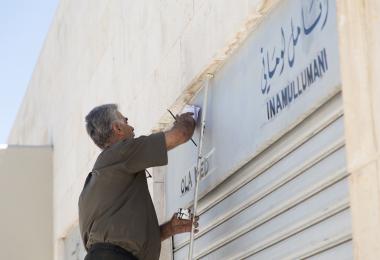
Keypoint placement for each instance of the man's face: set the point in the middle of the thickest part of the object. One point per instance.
(124, 130)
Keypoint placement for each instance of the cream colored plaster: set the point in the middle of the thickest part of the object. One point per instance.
(26, 219)
(364, 185)
(359, 42)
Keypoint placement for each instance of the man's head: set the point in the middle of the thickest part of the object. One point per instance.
(106, 125)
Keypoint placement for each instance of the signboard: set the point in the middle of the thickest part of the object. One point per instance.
(286, 69)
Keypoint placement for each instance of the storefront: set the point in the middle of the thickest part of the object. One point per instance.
(273, 177)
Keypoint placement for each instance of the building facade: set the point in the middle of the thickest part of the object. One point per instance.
(291, 159)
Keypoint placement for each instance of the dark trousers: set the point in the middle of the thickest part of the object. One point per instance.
(106, 251)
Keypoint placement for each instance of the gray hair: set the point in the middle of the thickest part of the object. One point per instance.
(99, 123)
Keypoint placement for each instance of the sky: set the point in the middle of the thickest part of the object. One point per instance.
(24, 25)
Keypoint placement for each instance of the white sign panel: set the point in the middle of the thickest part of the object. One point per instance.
(285, 69)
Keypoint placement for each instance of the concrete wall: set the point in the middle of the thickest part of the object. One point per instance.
(141, 54)
(359, 58)
(26, 204)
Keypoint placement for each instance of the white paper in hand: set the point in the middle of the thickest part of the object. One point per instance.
(192, 109)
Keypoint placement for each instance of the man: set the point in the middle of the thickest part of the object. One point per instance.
(117, 219)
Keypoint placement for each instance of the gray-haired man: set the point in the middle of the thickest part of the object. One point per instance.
(116, 215)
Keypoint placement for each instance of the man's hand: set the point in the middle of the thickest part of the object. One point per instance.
(177, 226)
(181, 131)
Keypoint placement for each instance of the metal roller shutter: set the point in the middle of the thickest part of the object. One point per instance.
(289, 202)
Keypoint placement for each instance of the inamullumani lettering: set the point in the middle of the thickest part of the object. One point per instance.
(282, 99)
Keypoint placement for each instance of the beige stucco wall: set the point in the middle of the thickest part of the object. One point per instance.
(139, 54)
(359, 58)
(26, 204)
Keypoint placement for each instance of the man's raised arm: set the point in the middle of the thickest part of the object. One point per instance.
(181, 131)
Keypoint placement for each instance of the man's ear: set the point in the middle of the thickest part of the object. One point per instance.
(116, 127)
